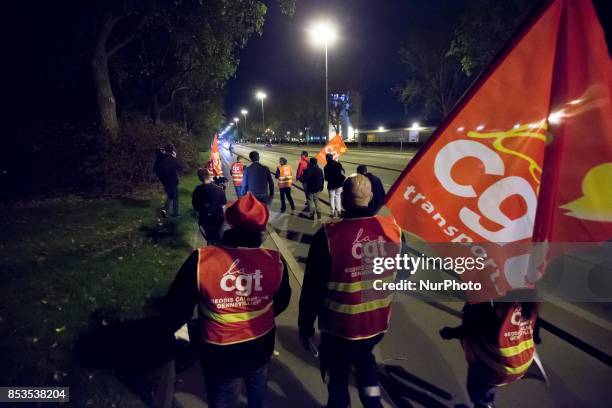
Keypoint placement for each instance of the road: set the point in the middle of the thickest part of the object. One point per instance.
(421, 368)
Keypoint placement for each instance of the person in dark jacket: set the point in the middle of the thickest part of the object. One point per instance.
(334, 175)
(322, 291)
(166, 168)
(258, 180)
(481, 327)
(313, 184)
(226, 365)
(378, 191)
(208, 200)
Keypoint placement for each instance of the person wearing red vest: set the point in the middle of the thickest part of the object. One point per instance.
(284, 175)
(301, 168)
(237, 172)
(239, 287)
(338, 290)
(498, 343)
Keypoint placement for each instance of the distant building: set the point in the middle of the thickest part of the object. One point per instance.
(410, 135)
(350, 104)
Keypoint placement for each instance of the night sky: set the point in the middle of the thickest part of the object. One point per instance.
(364, 58)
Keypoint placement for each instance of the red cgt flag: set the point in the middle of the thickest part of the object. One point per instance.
(335, 147)
(525, 157)
(214, 165)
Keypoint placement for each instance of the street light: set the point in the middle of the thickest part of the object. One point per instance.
(244, 113)
(261, 96)
(323, 33)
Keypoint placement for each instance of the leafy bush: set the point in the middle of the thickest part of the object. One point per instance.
(59, 157)
(130, 160)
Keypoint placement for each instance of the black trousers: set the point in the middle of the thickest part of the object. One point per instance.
(337, 356)
(286, 192)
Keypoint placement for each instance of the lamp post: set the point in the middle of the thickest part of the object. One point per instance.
(244, 113)
(323, 33)
(261, 96)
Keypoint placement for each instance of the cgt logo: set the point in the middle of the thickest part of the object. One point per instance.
(364, 247)
(243, 283)
(490, 200)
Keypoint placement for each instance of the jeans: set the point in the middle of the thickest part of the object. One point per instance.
(172, 198)
(225, 392)
(286, 192)
(238, 191)
(481, 394)
(313, 204)
(338, 355)
(335, 201)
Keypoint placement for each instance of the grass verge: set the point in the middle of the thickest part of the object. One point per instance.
(70, 265)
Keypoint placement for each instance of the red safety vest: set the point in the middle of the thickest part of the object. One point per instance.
(286, 176)
(508, 358)
(352, 308)
(237, 173)
(236, 289)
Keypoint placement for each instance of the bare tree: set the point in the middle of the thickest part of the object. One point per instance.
(107, 43)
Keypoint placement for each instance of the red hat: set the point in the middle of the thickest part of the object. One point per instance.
(248, 213)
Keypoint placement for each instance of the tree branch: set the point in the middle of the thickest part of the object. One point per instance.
(172, 95)
(121, 45)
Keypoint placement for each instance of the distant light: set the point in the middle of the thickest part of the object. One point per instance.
(288, 132)
(381, 128)
(480, 127)
(517, 125)
(244, 111)
(236, 120)
(461, 128)
(415, 125)
(301, 133)
(322, 32)
(555, 117)
(261, 95)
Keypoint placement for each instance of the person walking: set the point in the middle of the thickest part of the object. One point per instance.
(166, 168)
(334, 175)
(284, 174)
(299, 174)
(208, 200)
(378, 191)
(337, 288)
(497, 339)
(239, 288)
(258, 180)
(313, 184)
(237, 173)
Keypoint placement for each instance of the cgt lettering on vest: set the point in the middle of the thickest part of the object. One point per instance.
(242, 283)
(370, 249)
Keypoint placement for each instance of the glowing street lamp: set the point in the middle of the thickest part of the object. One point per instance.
(323, 33)
(261, 96)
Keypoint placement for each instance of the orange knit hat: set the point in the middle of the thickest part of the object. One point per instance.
(248, 213)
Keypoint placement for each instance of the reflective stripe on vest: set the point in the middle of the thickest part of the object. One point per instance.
(235, 317)
(512, 355)
(352, 287)
(352, 308)
(237, 172)
(359, 308)
(285, 178)
(236, 288)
